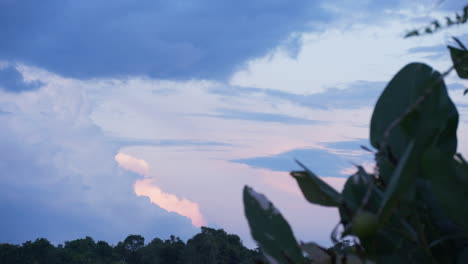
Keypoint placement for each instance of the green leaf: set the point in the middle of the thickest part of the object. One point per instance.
(460, 61)
(316, 254)
(314, 189)
(355, 190)
(271, 231)
(402, 178)
(463, 257)
(435, 115)
(449, 184)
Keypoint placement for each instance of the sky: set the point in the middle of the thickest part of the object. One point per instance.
(148, 117)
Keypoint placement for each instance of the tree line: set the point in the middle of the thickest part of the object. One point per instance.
(210, 246)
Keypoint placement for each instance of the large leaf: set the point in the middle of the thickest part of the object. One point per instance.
(463, 257)
(316, 190)
(271, 231)
(460, 61)
(435, 115)
(359, 192)
(449, 183)
(401, 180)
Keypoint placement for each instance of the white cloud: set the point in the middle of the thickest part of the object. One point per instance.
(341, 55)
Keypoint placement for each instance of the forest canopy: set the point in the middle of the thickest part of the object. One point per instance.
(209, 246)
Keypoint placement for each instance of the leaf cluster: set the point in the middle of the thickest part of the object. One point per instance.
(411, 208)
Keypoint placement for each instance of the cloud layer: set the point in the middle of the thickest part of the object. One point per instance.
(58, 178)
(166, 39)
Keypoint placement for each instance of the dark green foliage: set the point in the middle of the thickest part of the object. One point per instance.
(209, 247)
(270, 229)
(218, 247)
(461, 65)
(418, 98)
(437, 25)
(412, 209)
(315, 190)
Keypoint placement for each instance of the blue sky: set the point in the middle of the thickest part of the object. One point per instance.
(149, 117)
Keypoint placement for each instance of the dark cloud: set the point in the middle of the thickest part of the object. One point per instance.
(11, 80)
(167, 39)
(322, 162)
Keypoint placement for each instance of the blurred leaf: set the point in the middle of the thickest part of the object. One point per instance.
(402, 177)
(460, 43)
(316, 254)
(463, 257)
(271, 231)
(315, 190)
(355, 190)
(434, 115)
(449, 21)
(412, 33)
(460, 61)
(367, 149)
(449, 184)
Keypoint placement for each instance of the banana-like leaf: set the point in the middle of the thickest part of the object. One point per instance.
(359, 192)
(434, 115)
(314, 189)
(401, 180)
(449, 183)
(460, 61)
(271, 231)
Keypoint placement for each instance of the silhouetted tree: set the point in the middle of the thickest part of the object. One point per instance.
(210, 246)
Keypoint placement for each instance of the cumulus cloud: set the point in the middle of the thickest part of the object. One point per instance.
(148, 188)
(58, 176)
(11, 80)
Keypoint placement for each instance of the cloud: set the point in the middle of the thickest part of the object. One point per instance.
(325, 162)
(170, 202)
(166, 201)
(351, 52)
(259, 117)
(125, 142)
(11, 80)
(58, 176)
(351, 96)
(165, 39)
(132, 164)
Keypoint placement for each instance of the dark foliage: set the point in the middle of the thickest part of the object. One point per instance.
(208, 247)
(436, 25)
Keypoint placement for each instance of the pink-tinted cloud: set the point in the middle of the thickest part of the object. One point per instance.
(132, 164)
(167, 201)
(170, 202)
